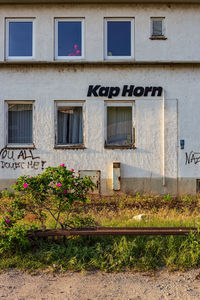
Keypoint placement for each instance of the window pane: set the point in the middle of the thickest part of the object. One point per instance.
(20, 128)
(157, 27)
(69, 38)
(119, 125)
(20, 38)
(70, 125)
(119, 38)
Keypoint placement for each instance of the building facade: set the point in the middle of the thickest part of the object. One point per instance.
(110, 89)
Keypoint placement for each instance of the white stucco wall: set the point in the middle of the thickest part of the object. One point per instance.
(47, 83)
(71, 83)
(182, 29)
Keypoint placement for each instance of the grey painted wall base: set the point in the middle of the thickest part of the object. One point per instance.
(6, 183)
(132, 186)
(155, 186)
(144, 186)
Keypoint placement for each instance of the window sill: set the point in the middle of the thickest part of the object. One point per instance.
(70, 58)
(72, 147)
(19, 147)
(119, 147)
(158, 37)
(19, 59)
(119, 58)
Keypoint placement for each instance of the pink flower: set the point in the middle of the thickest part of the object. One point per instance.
(96, 223)
(65, 191)
(30, 177)
(26, 185)
(62, 165)
(7, 221)
(72, 170)
(59, 184)
(73, 176)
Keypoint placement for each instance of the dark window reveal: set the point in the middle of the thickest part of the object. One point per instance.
(69, 38)
(119, 126)
(70, 125)
(118, 38)
(20, 39)
(20, 124)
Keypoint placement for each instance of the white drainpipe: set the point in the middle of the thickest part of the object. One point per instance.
(163, 164)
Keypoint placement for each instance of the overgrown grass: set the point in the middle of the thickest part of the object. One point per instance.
(109, 254)
(141, 253)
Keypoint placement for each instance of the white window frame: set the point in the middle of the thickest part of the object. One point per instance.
(82, 20)
(119, 103)
(163, 28)
(74, 103)
(107, 57)
(21, 145)
(8, 20)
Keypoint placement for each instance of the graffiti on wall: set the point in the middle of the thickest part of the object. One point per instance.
(20, 159)
(192, 158)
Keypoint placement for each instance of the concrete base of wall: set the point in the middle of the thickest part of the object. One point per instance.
(155, 186)
(6, 183)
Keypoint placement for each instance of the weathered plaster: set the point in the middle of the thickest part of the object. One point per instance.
(141, 168)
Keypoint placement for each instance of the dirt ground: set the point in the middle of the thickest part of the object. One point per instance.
(96, 285)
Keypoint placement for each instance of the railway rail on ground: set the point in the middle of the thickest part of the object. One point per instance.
(103, 231)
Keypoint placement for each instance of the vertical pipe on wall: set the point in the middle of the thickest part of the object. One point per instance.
(177, 128)
(163, 163)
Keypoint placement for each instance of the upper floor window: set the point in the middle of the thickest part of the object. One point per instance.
(69, 39)
(158, 28)
(119, 38)
(19, 39)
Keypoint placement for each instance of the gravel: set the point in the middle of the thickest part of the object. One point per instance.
(97, 285)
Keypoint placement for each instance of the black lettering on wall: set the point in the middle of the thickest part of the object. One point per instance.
(138, 91)
(147, 90)
(113, 92)
(103, 91)
(127, 91)
(92, 90)
(157, 91)
(20, 159)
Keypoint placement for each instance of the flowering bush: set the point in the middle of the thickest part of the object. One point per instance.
(13, 235)
(52, 192)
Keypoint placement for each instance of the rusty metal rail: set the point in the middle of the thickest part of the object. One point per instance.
(102, 231)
